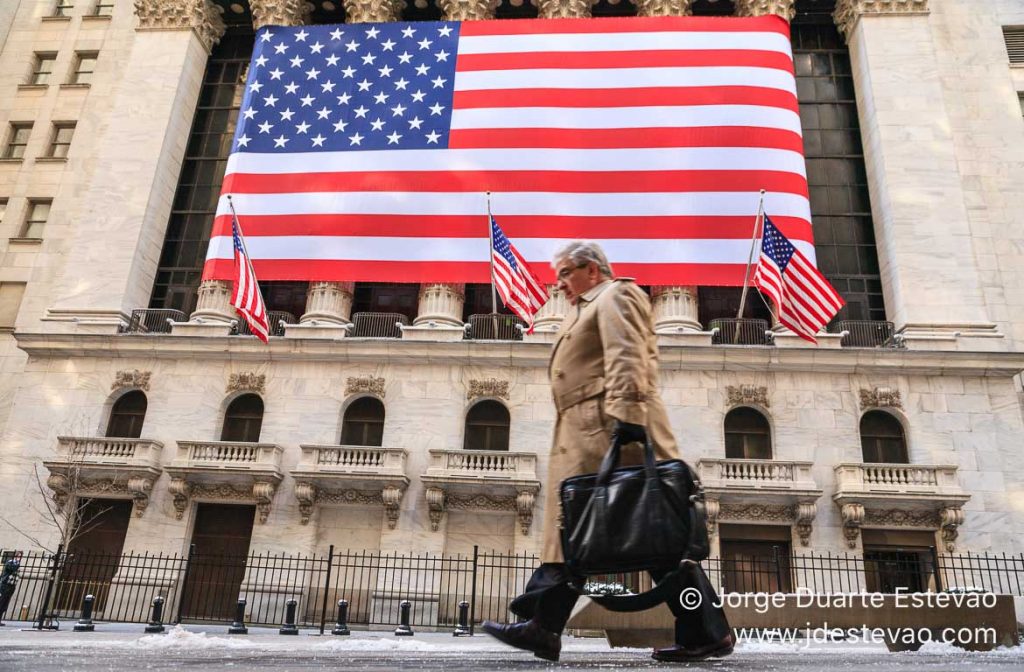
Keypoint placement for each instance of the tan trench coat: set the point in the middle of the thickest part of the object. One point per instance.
(604, 366)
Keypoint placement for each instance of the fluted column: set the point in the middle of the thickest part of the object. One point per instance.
(784, 8)
(214, 303)
(328, 303)
(441, 304)
(675, 309)
(551, 314)
(564, 9)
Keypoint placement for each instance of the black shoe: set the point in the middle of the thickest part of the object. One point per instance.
(528, 636)
(680, 654)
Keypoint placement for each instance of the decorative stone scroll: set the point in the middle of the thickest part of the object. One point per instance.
(853, 517)
(131, 379)
(390, 496)
(201, 16)
(742, 395)
(247, 382)
(368, 11)
(491, 387)
(784, 8)
(279, 13)
(435, 506)
(663, 7)
(951, 518)
(848, 12)
(880, 397)
(365, 385)
(183, 492)
(136, 487)
(468, 10)
(805, 512)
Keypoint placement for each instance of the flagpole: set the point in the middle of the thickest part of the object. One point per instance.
(245, 249)
(750, 261)
(490, 254)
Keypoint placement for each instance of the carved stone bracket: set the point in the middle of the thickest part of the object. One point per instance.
(435, 506)
(181, 491)
(712, 509)
(61, 488)
(137, 487)
(306, 494)
(368, 11)
(740, 395)
(663, 7)
(853, 517)
(524, 509)
(365, 385)
(848, 12)
(564, 9)
(805, 512)
(247, 382)
(263, 492)
(468, 10)
(879, 397)
(135, 379)
(951, 518)
(491, 387)
(784, 8)
(390, 496)
(201, 16)
(279, 13)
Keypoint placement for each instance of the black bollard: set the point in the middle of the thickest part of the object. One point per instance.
(341, 627)
(462, 629)
(404, 629)
(156, 623)
(85, 622)
(238, 627)
(289, 627)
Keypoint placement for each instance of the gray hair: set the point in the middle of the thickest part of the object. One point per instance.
(581, 253)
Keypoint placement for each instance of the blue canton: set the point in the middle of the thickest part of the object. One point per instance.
(502, 246)
(236, 238)
(349, 87)
(776, 246)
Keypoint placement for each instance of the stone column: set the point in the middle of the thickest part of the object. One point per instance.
(675, 309)
(279, 13)
(113, 248)
(784, 8)
(468, 10)
(372, 11)
(564, 9)
(550, 316)
(930, 277)
(663, 7)
(328, 303)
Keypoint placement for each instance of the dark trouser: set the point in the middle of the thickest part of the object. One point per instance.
(549, 599)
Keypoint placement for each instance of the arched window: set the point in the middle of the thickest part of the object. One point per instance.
(243, 419)
(364, 423)
(487, 427)
(747, 435)
(127, 415)
(882, 438)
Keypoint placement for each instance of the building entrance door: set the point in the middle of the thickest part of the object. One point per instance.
(93, 554)
(221, 545)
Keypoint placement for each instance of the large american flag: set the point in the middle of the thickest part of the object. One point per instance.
(364, 151)
(246, 297)
(515, 281)
(804, 300)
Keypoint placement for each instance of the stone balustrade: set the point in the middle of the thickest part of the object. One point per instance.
(109, 451)
(901, 479)
(482, 464)
(227, 455)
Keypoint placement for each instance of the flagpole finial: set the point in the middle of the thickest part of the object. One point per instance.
(763, 192)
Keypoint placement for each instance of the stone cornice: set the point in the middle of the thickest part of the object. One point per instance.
(201, 16)
(784, 8)
(848, 12)
(515, 354)
(279, 13)
(663, 7)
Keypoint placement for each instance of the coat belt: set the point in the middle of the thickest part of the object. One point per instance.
(569, 398)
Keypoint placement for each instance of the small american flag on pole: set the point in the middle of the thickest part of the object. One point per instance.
(804, 299)
(246, 298)
(519, 288)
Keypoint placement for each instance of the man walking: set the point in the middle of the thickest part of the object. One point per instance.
(604, 380)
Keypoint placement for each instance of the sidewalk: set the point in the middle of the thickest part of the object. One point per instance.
(124, 647)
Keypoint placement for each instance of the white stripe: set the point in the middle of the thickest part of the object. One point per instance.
(625, 78)
(716, 203)
(642, 41)
(683, 116)
(683, 158)
(535, 250)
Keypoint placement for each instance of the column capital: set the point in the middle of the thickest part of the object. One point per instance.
(848, 12)
(372, 11)
(564, 9)
(663, 7)
(279, 13)
(468, 10)
(784, 8)
(200, 16)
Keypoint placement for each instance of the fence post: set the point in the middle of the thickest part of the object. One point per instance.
(327, 588)
(85, 620)
(184, 581)
(40, 625)
(936, 570)
(778, 568)
(472, 590)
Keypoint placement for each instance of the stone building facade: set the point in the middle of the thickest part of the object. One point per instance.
(329, 437)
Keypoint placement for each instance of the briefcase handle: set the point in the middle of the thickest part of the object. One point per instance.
(613, 457)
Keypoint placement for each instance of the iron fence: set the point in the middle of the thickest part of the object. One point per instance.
(205, 588)
(152, 321)
(866, 334)
(378, 325)
(276, 319)
(746, 331)
(495, 327)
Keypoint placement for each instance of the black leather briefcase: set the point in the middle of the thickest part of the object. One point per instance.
(647, 517)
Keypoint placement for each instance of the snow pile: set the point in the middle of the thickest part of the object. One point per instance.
(180, 638)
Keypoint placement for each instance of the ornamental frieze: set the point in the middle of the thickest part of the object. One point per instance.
(742, 395)
(365, 385)
(759, 512)
(880, 397)
(491, 387)
(902, 518)
(247, 382)
(201, 16)
(849, 11)
(131, 379)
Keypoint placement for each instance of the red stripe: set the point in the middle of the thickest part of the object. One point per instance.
(514, 226)
(631, 24)
(624, 138)
(406, 271)
(548, 181)
(639, 97)
(600, 60)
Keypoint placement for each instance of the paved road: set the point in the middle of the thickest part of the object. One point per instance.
(122, 648)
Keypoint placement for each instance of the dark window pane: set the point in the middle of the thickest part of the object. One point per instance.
(487, 427)
(127, 416)
(747, 435)
(882, 439)
(364, 423)
(243, 419)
